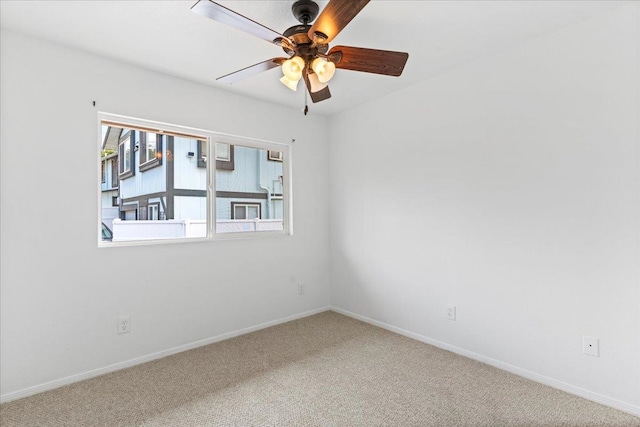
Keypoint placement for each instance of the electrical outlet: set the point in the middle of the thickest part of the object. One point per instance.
(124, 325)
(451, 312)
(590, 346)
(301, 288)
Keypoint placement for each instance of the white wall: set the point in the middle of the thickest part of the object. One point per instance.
(508, 187)
(60, 294)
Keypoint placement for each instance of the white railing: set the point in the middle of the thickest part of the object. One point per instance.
(244, 225)
(147, 230)
(184, 228)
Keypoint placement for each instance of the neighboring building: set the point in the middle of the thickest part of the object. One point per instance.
(153, 177)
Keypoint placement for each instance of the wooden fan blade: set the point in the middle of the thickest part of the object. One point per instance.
(219, 13)
(387, 62)
(321, 95)
(335, 16)
(251, 70)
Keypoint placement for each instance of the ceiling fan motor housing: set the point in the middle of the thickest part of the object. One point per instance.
(303, 44)
(305, 11)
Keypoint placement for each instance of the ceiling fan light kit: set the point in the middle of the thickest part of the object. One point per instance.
(308, 45)
(324, 69)
(291, 84)
(315, 84)
(292, 69)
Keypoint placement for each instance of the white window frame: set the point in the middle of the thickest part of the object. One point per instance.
(218, 156)
(121, 163)
(277, 158)
(246, 206)
(153, 207)
(146, 149)
(211, 137)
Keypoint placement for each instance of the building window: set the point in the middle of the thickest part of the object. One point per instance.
(154, 212)
(125, 155)
(225, 156)
(177, 198)
(150, 150)
(275, 155)
(245, 210)
(114, 172)
(223, 151)
(104, 171)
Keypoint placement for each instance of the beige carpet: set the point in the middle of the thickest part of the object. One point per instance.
(324, 370)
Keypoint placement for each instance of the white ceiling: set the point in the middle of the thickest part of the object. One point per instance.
(168, 37)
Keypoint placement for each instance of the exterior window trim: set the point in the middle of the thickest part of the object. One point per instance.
(210, 137)
(146, 164)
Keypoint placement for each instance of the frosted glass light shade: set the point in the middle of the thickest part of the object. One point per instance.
(324, 69)
(314, 82)
(291, 84)
(292, 68)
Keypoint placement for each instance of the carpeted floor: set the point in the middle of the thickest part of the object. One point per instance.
(323, 370)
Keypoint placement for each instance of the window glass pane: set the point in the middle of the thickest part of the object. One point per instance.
(151, 146)
(127, 158)
(167, 201)
(253, 189)
(275, 155)
(153, 213)
(240, 212)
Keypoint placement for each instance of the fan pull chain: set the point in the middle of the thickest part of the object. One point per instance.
(306, 107)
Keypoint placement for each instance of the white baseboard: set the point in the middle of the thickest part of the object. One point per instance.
(578, 391)
(29, 391)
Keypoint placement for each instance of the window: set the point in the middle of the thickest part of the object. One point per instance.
(223, 151)
(249, 198)
(114, 173)
(104, 171)
(166, 189)
(275, 155)
(224, 155)
(225, 158)
(154, 212)
(125, 153)
(150, 150)
(245, 210)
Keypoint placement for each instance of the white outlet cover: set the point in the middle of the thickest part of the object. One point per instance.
(451, 312)
(124, 325)
(590, 346)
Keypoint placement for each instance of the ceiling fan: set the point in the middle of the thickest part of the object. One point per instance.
(307, 45)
